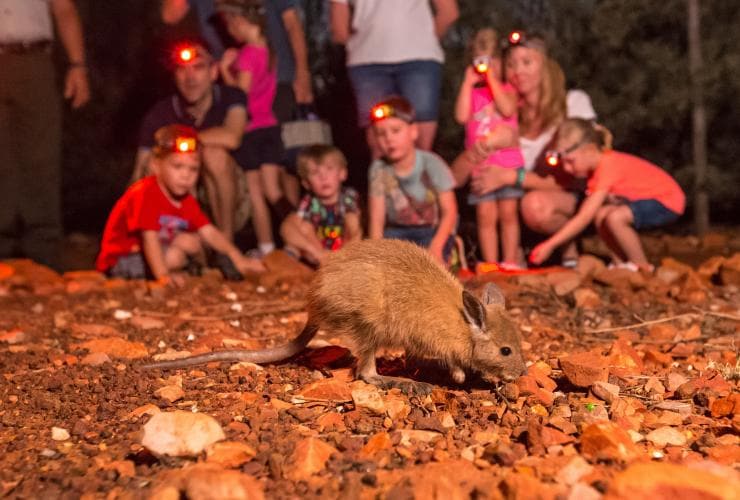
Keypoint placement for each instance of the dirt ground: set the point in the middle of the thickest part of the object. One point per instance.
(631, 391)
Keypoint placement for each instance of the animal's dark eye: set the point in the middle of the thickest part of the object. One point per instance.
(506, 351)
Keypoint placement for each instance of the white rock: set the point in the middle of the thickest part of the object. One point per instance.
(59, 434)
(120, 314)
(664, 436)
(181, 433)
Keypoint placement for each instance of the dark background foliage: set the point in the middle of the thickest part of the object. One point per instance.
(629, 55)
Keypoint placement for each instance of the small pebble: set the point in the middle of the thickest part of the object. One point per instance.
(120, 314)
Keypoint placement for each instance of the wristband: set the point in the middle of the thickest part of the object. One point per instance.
(520, 173)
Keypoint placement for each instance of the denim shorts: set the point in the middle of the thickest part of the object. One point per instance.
(130, 267)
(421, 235)
(650, 213)
(503, 193)
(418, 81)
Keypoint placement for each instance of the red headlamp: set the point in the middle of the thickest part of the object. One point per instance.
(185, 54)
(481, 64)
(382, 111)
(185, 145)
(553, 158)
(519, 38)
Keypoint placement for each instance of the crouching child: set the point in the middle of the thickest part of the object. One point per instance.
(328, 215)
(157, 229)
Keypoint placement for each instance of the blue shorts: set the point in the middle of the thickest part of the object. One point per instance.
(260, 146)
(130, 267)
(418, 81)
(650, 213)
(503, 193)
(421, 235)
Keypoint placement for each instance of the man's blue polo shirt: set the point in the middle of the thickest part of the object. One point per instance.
(171, 110)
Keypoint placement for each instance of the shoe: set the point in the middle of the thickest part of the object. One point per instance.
(569, 263)
(629, 266)
(510, 266)
(254, 253)
(223, 263)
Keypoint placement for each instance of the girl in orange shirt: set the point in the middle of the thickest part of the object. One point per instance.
(624, 193)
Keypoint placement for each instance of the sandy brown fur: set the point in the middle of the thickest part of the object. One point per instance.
(392, 294)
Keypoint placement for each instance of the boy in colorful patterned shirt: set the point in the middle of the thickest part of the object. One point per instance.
(328, 215)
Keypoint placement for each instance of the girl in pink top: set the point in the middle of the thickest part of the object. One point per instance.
(487, 107)
(624, 193)
(252, 68)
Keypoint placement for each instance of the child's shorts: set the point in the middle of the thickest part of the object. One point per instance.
(503, 193)
(418, 81)
(130, 267)
(421, 235)
(650, 213)
(260, 146)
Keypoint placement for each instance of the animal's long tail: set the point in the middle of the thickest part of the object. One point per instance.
(273, 354)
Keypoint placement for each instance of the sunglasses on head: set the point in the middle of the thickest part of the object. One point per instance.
(383, 111)
(554, 158)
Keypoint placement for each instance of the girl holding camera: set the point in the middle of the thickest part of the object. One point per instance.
(487, 107)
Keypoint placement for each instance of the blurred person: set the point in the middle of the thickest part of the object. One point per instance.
(411, 194)
(487, 106)
(157, 229)
(552, 195)
(253, 69)
(218, 112)
(328, 216)
(31, 123)
(394, 48)
(624, 193)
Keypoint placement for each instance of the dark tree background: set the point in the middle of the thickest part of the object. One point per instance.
(631, 56)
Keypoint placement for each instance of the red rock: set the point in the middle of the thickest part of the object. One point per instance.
(95, 359)
(14, 336)
(723, 407)
(181, 433)
(586, 298)
(543, 397)
(115, 347)
(329, 389)
(664, 436)
(378, 442)
(728, 454)
(664, 481)
(563, 282)
(230, 454)
(147, 323)
(206, 481)
(527, 385)
(655, 357)
(605, 440)
(309, 457)
(332, 421)
(526, 487)
(589, 265)
(605, 391)
(729, 273)
(541, 373)
(585, 368)
(662, 331)
(170, 393)
(624, 360)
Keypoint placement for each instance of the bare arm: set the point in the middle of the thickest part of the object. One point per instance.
(302, 235)
(580, 220)
(297, 38)
(339, 22)
(173, 11)
(352, 226)
(447, 221)
(376, 217)
(154, 254)
(141, 164)
(446, 13)
(504, 100)
(229, 135)
(69, 27)
(462, 104)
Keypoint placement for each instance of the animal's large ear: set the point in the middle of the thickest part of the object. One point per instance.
(493, 295)
(474, 312)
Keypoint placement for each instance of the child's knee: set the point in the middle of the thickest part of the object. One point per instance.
(187, 243)
(618, 217)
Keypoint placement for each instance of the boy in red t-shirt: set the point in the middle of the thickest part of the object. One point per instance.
(624, 193)
(157, 227)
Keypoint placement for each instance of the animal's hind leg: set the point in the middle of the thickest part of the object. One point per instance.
(367, 372)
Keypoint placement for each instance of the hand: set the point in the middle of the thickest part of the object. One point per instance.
(248, 265)
(436, 251)
(541, 252)
(489, 180)
(471, 76)
(302, 87)
(76, 86)
(228, 59)
(174, 280)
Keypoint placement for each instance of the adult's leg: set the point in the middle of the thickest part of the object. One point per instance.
(421, 82)
(371, 83)
(546, 211)
(220, 170)
(487, 220)
(38, 128)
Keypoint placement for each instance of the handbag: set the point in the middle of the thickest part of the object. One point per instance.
(305, 128)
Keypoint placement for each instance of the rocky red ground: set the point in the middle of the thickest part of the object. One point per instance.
(631, 391)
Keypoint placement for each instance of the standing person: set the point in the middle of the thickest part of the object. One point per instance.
(552, 195)
(488, 108)
(253, 69)
(31, 122)
(216, 111)
(393, 48)
(624, 194)
(197, 16)
(412, 194)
